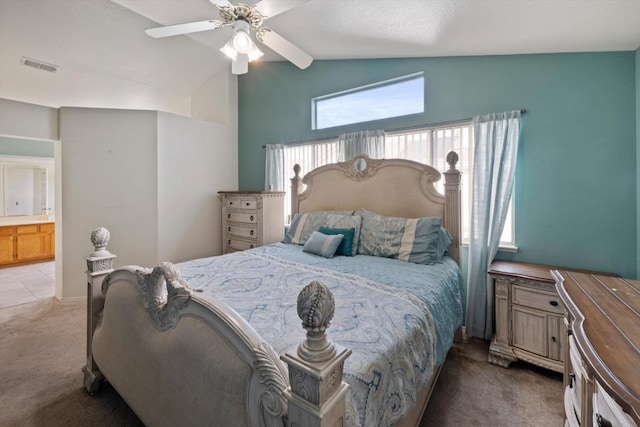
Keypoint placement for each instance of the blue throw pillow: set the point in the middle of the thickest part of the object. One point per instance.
(345, 247)
(321, 244)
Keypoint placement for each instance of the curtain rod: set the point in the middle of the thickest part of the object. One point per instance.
(448, 123)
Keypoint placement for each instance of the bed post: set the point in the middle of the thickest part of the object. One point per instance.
(296, 186)
(452, 178)
(317, 393)
(99, 264)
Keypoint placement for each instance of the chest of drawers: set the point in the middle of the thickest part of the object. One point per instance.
(251, 219)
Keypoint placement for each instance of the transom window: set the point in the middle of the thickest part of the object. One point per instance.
(390, 98)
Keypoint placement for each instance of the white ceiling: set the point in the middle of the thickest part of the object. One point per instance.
(106, 60)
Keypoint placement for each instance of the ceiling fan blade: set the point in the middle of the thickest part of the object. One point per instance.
(220, 3)
(271, 8)
(285, 48)
(191, 27)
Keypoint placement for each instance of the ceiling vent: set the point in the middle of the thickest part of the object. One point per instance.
(39, 64)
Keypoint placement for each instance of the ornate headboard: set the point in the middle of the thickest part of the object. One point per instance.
(392, 187)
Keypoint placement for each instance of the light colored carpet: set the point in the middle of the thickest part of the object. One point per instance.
(42, 351)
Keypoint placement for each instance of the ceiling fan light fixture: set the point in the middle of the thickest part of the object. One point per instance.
(241, 40)
(228, 50)
(254, 53)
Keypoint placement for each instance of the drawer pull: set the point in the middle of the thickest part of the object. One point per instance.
(248, 204)
(230, 203)
(554, 303)
(229, 242)
(228, 215)
(572, 378)
(251, 233)
(229, 229)
(251, 246)
(251, 218)
(553, 339)
(603, 422)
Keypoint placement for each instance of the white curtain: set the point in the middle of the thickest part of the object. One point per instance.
(369, 142)
(496, 147)
(274, 168)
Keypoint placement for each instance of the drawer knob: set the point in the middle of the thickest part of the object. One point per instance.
(603, 422)
(247, 203)
(251, 218)
(230, 203)
(553, 339)
(251, 233)
(229, 242)
(228, 215)
(250, 246)
(554, 303)
(229, 229)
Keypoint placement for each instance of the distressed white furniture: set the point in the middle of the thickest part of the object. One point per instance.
(251, 219)
(178, 358)
(602, 361)
(528, 315)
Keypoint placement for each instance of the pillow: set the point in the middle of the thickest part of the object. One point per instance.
(346, 246)
(346, 221)
(444, 240)
(323, 245)
(302, 225)
(407, 239)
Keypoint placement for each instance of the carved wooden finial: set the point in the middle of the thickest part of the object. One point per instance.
(100, 239)
(452, 159)
(316, 307)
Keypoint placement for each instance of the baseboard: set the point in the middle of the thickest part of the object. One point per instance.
(71, 300)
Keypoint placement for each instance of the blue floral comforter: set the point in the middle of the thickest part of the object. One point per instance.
(397, 318)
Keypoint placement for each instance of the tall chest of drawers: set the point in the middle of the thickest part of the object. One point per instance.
(251, 219)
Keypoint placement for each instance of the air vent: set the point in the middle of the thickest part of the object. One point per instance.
(39, 64)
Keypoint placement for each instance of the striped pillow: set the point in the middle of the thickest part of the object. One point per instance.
(322, 244)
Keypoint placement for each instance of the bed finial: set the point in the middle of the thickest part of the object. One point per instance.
(452, 159)
(315, 308)
(296, 170)
(100, 239)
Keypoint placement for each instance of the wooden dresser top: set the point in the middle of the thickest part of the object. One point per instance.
(538, 272)
(606, 313)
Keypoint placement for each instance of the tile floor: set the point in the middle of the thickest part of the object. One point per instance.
(27, 283)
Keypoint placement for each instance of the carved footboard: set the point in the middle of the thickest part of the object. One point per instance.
(179, 359)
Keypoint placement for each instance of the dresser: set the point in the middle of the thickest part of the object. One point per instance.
(251, 219)
(602, 359)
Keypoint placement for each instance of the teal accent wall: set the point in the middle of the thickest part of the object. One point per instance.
(25, 147)
(638, 161)
(576, 178)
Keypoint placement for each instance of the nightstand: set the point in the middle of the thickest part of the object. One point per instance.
(529, 316)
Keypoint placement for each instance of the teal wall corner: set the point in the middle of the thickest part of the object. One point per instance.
(25, 147)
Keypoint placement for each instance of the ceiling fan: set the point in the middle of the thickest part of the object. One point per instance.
(244, 19)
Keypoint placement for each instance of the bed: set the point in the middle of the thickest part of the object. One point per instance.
(219, 341)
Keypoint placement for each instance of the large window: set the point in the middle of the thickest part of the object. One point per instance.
(428, 145)
(391, 98)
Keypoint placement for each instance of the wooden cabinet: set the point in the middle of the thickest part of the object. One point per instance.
(601, 374)
(251, 219)
(528, 315)
(26, 243)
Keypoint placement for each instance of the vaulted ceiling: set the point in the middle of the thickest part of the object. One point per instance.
(105, 59)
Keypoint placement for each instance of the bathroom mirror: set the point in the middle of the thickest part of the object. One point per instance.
(25, 190)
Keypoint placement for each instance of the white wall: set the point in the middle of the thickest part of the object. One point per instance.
(216, 100)
(28, 120)
(196, 159)
(109, 178)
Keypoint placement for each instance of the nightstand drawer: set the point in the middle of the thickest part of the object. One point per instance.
(606, 409)
(534, 298)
